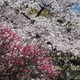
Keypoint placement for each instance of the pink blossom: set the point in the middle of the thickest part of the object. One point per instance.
(21, 64)
(29, 59)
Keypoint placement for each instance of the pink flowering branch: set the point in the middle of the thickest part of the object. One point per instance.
(19, 61)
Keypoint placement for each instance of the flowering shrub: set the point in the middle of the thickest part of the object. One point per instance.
(9, 49)
(17, 61)
(9, 41)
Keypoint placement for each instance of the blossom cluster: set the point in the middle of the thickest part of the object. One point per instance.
(9, 41)
(61, 27)
(29, 61)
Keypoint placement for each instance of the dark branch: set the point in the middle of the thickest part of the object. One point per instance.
(26, 16)
(38, 14)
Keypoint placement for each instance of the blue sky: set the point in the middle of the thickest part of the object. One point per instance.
(76, 7)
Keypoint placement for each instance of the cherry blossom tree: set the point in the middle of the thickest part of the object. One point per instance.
(53, 23)
(59, 26)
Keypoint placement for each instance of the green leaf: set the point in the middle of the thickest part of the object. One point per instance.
(33, 11)
(45, 12)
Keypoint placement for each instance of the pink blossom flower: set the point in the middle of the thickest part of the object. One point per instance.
(24, 61)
